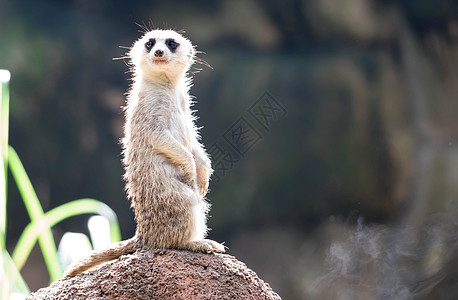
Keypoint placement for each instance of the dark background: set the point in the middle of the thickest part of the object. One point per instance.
(369, 131)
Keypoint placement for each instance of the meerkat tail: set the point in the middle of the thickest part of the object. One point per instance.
(98, 257)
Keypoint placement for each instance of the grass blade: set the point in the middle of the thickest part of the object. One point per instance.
(4, 116)
(86, 206)
(10, 278)
(56, 215)
(33, 206)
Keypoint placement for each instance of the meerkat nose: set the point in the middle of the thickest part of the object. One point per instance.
(158, 53)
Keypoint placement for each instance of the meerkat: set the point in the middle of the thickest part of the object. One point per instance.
(166, 167)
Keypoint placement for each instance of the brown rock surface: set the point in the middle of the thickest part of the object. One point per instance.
(163, 274)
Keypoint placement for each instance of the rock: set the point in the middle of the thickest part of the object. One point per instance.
(163, 274)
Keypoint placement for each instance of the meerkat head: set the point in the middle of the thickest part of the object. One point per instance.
(162, 55)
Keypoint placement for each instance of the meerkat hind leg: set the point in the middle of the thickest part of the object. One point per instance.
(205, 245)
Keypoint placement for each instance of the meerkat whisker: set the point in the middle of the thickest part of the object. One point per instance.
(203, 62)
(119, 58)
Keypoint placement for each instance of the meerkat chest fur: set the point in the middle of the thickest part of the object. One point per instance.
(155, 108)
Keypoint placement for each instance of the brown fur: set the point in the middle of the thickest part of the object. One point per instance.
(167, 169)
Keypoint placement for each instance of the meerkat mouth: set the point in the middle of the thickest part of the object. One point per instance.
(160, 60)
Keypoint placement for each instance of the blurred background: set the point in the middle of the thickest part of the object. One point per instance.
(349, 186)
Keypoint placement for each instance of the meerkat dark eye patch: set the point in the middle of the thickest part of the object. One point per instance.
(172, 44)
(150, 44)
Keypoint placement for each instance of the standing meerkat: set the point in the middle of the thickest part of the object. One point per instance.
(166, 167)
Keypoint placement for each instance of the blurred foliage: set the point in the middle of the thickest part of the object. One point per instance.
(39, 229)
(370, 88)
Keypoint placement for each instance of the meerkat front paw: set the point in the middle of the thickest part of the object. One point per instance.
(191, 181)
(202, 180)
(205, 245)
(189, 176)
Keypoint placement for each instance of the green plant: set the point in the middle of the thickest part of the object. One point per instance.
(39, 228)
(42, 222)
(10, 278)
(4, 119)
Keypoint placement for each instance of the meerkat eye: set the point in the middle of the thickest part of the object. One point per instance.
(172, 45)
(150, 44)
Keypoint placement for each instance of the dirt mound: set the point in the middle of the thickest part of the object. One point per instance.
(163, 274)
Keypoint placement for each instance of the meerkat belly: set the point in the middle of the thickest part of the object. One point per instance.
(169, 212)
(151, 169)
(163, 204)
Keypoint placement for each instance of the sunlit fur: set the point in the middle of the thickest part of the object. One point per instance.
(167, 168)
